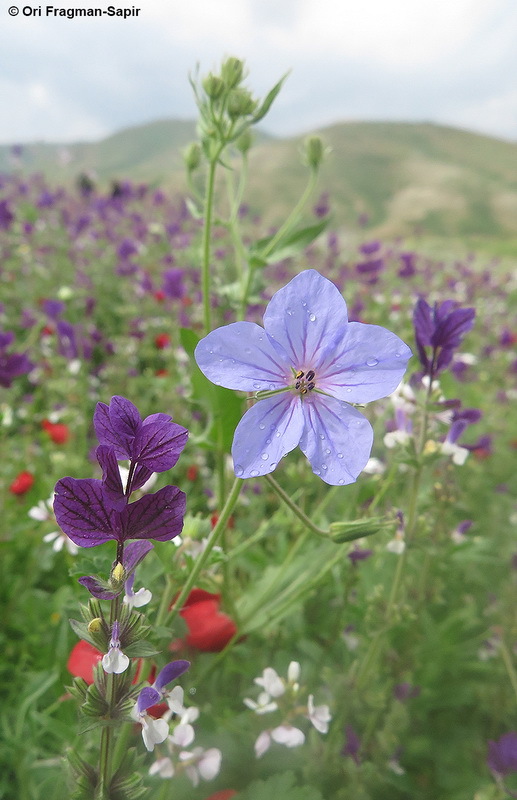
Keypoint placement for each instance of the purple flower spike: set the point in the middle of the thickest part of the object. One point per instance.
(155, 443)
(310, 362)
(442, 328)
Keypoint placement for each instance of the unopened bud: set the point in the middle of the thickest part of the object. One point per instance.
(240, 103)
(94, 625)
(356, 529)
(244, 142)
(314, 151)
(232, 72)
(213, 86)
(192, 156)
(118, 573)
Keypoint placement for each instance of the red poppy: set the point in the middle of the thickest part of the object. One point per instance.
(83, 658)
(58, 432)
(224, 794)
(214, 519)
(159, 295)
(209, 630)
(162, 340)
(22, 483)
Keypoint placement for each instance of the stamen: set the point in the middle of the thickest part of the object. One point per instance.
(300, 373)
(311, 385)
(310, 376)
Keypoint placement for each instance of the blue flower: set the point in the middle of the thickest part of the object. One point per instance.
(308, 364)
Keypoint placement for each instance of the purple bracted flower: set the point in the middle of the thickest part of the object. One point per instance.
(308, 364)
(155, 731)
(441, 328)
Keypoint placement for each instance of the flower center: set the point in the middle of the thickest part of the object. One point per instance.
(304, 381)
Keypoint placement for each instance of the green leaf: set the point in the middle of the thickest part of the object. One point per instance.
(289, 246)
(283, 786)
(268, 101)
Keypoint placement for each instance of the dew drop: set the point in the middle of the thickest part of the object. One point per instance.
(322, 436)
(278, 434)
(256, 385)
(372, 362)
(324, 466)
(268, 441)
(254, 473)
(273, 464)
(247, 350)
(238, 470)
(211, 352)
(340, 455)
(349, 389)
(304, 304)
(312, 317)
(290, 312)
(264, 456)
(327, 451)
(341, 481)
(262, 426)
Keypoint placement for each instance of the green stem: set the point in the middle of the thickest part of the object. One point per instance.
(106, 755)
(203, 557)
(296, 509)
(510, 669)
(207, 234)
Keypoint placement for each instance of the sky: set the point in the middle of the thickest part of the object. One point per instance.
(451, 62)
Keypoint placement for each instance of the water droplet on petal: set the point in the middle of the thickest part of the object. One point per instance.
(262, 426)
(312, 317)
(304, 304)
(272, 465)
(290, 312)
(340, 455)
(264, 456)
(324, 466)
(254, 473)
(349, 389)
(372, 362)
(247, 350)
(322, 436)
(256, 385)
(238, 470)
(341, 481)
(327, 451)
(268, 441)
(278, 434)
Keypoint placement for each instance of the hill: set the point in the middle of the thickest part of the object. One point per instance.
(402, 176)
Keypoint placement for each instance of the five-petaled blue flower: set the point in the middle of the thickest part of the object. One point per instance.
(308, 364)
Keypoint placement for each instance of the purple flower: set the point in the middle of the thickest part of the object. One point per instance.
(307, 363)
(441, 328)
(352, 744)
(502, 754)
(12, 365)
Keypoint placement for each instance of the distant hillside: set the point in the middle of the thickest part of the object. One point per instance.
(402, 176)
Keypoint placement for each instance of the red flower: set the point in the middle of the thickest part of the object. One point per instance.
(58, 432)
(214, 519)
(162, 340)
(192, 472)
(224, 794)
(209, 630)
(22, 483)
(83, 658)
(159, 295)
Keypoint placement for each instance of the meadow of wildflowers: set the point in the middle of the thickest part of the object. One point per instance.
(259, 517)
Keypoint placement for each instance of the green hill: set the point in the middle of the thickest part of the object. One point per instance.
(402, 176)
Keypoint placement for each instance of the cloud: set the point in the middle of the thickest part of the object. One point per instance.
(450, 61)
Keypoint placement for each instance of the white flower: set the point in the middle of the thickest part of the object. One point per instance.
(263, 705)
(288, 735)
(459, 454)
(271, 682)
(182, 736)
(162, 767)
(154, 731)
(203, 764)
(374, 466)
(61, 540)
(262, 744)
(138, 599)
(319, 715)
(115, 661)
(397, 545)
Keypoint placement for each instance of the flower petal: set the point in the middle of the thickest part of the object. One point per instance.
(241, 356)
(368, 363)
(155, 516)
(170, 672)
(305, 316)
(116, 425)
(158, 444)
(268, 430)
(336, 439)
(83, 512)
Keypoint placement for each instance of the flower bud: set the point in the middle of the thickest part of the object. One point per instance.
(232, 72)
(192, 156)
(244, 142)
(314, 151)
(95, 625)
(213, 86)
(356, 529)
(118, 573)
(240, 103)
